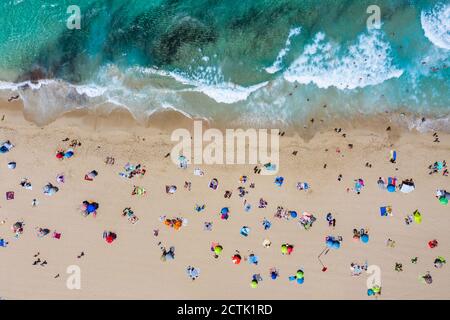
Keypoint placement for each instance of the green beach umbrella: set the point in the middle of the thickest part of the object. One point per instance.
(300, 274)
(218, 249)
(254, 284)
(443, 200)
(284, 249)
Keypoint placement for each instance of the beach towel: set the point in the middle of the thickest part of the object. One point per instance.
(405, 188)
(10, 195)
(385, 211)
(138, 191)
(270, 167)
(6, 147)
(393, 156)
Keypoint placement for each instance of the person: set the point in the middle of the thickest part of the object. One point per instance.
(381, 183)
(331, 220)
(427, 278)
(439, 262)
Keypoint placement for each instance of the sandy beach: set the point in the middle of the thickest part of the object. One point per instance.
(131, 266)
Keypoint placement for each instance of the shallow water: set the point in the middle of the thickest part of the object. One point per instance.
(257, 62)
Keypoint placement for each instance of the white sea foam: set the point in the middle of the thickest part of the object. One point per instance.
(325, 63)
(278, 63)
(14, 86)
(91, 90)
(210, 82)
(436, 25)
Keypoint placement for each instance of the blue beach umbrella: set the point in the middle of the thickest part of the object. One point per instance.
(391, 188)
(245, 231)
(329, 243)
(336, 244)
(300, 280)
(91, 208)
(365, 238)
(224, 210)
(293, 214)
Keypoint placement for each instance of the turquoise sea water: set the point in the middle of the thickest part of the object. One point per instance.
(250, 61)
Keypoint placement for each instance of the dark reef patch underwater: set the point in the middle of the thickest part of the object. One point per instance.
(254, 62)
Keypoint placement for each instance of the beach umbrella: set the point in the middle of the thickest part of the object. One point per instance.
(290, 248)
(365, 238)
(273, 275)
(293, 214)
(245, 231)
(336, 244)
(300, 274)
(109, 238)
(300, 280)
(254, 284)
(292, 278)
(284, 249)
(370, 292)
(329, 243)
(218, 249)
(253, 259)
(376, 289)
(443, 200)
(391, 188)
(266, 243)
(236, 259)
(91, 207)
(225, 210)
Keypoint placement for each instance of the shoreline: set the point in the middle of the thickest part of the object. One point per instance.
(169, 120)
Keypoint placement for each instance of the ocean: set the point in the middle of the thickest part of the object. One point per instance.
(248, 62)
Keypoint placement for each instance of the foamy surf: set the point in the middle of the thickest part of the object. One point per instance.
(325, 63)
(216, 88)
(278, 63)
(436, 25)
